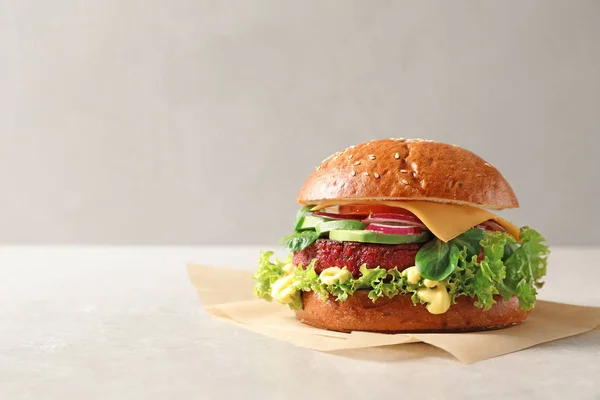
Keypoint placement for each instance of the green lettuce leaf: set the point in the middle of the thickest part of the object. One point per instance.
(526, 295)
(341, 290)
(506, 267)
(266, 274)
(307, 279)
(470, 240)
(394, 284)
(525, 268)
(372, 278)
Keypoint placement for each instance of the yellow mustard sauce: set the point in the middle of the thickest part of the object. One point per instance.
(283, 290)
(333, 275)
(437, 298)
(412, 275)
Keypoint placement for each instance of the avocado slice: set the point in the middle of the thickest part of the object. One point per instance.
(373, 237)
(309, 222)
(347, 224)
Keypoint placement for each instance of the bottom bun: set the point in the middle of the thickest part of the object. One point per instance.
(399, 314)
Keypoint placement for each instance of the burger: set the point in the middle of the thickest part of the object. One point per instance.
(396, 235)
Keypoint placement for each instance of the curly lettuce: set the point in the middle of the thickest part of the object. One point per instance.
(508, 268)
(267, 273)
(483, 266)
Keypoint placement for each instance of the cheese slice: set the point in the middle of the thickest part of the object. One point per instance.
(510, 228)
(445, 221)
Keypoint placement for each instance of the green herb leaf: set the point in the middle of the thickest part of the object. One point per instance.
(299, 240)
(470, 240)
(436, 259)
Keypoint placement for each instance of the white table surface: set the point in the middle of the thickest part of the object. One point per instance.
(125, 323)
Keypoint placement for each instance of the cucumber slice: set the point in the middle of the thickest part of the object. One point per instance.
(309, 222)
(339, 224)
(372, 237)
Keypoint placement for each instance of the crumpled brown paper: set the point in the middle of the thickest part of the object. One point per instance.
(227, 294)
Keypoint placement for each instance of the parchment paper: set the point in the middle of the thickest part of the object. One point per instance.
(227, 294)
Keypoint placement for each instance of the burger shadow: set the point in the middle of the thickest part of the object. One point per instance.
(394, 353)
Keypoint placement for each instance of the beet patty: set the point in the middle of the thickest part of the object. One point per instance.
(331, 253)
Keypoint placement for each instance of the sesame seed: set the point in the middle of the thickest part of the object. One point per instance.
(357, 163)
(403, 171)
(404, 181)
(376, 175)
(371, 157)
(353, 173)
(487, 165)
(318, 167)
(397, 156)
(351, 147)
(365, 173)
(335, 157)
(368, 143)
(350, 156)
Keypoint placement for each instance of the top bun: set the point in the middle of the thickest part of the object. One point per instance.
(408, 169)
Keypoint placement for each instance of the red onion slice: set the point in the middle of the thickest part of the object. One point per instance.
(394, 230)
(496, 226)
(338, 216)
(397, 216)
(394, 219)
(491, 226)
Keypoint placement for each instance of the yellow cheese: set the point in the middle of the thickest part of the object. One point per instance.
(510, 228)
(445, 221)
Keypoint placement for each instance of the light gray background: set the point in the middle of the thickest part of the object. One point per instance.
(185, 121)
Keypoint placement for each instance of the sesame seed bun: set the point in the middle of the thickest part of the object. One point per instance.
(408, 169)
(399, 314)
